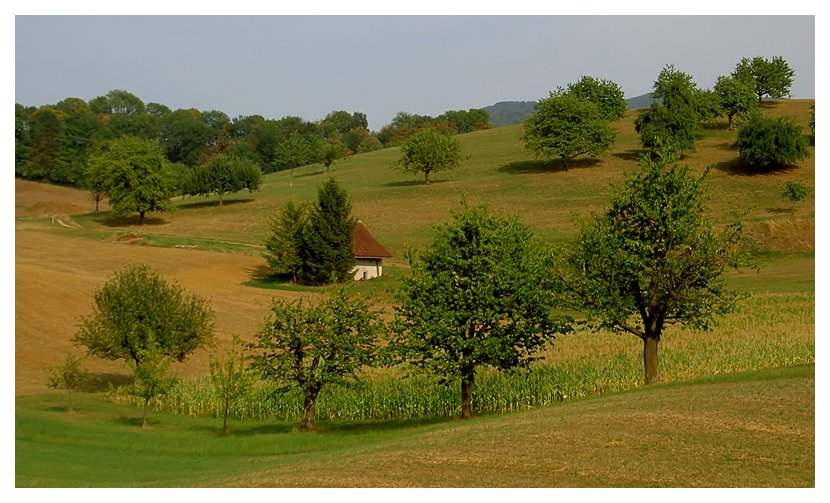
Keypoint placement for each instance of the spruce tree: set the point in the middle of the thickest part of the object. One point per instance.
(326, 252)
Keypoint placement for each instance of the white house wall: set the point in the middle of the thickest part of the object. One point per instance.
(368, 268)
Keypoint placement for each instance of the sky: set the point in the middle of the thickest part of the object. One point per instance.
(308, 66)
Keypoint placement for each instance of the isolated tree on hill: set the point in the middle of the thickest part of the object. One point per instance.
(136, 175)
(607, 95)
(140, 318)
(658, 124)
(331, 151)
(771, 78)
(282, 248)
(652, 259)
(136, 311)
(737, 97)
(326, 251)
(567, 126)
(231, 378)
(765, 142)
(224, 174)
(312, 346)
(429, 151)
(294, 151)
(675, 89)
(68, 375)
(795, 192)
(479, 295)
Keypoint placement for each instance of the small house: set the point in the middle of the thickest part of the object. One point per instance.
(368, 253)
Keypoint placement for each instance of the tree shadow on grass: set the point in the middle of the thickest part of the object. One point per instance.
(630, 155)
(130, 221)
(207, 204)
(546, 166)
(378, 425)
(736, 168)
(413, 183)
(103, 381)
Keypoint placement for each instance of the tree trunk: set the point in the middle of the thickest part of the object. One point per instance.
(650, 359)
(225, 430)
(144, 419)
(467, 381)
(220, 198)
(730, 121)
(141, 218)
(426, 177)
(309, 407)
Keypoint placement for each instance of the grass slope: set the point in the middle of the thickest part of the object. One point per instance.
(752, 429)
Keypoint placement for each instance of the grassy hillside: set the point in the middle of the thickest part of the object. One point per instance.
(400, 210)
(741, 430)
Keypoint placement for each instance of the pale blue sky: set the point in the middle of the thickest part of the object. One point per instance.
(308, 66)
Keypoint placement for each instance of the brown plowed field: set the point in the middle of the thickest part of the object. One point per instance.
(56, 275)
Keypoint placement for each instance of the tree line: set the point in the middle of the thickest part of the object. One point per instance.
(53, 142)
(576, 120)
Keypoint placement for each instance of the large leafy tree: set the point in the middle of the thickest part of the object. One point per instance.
(771, 78)
(326, 251)
(137, 310)
(142, 319)
(310, 346)
(652, 259)
(766, 142)
(566, 125)
(224, 174)
(607, 95)
(135, 174)
(658, 125)
(429, 151)
(479, 295)
(676, 117)
(737, 97)
(186, 136)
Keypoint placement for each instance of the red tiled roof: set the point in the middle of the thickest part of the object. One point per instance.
(364, 245)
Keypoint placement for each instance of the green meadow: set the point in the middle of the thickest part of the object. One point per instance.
(737, 408)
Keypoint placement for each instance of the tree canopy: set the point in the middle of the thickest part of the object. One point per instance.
(224, 174)
(137, 311)
(607, 95)
(309, 346)
(652, 259)
(566, 125)
(479, 295)
(429, 151)
(135, 175)
(765, 142)
(771, 78)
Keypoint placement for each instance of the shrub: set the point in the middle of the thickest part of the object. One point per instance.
(765, 142)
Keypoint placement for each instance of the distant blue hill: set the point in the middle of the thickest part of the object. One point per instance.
(508, 113)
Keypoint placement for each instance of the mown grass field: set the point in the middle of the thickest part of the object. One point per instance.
(763, 422)
(753, 429)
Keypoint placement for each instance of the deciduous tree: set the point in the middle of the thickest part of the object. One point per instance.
(795, 192)
(137, 311)
(68, 375)
(231, 377)
(224, 174)
(766, 142)
(737, 97)
(652, 259)
(566, 126)
(310, 346)
(479, 295)
(771, 78)
(607, 95)
(137, 173)
(429, 151)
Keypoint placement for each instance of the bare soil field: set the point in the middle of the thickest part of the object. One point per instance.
(56, 276)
